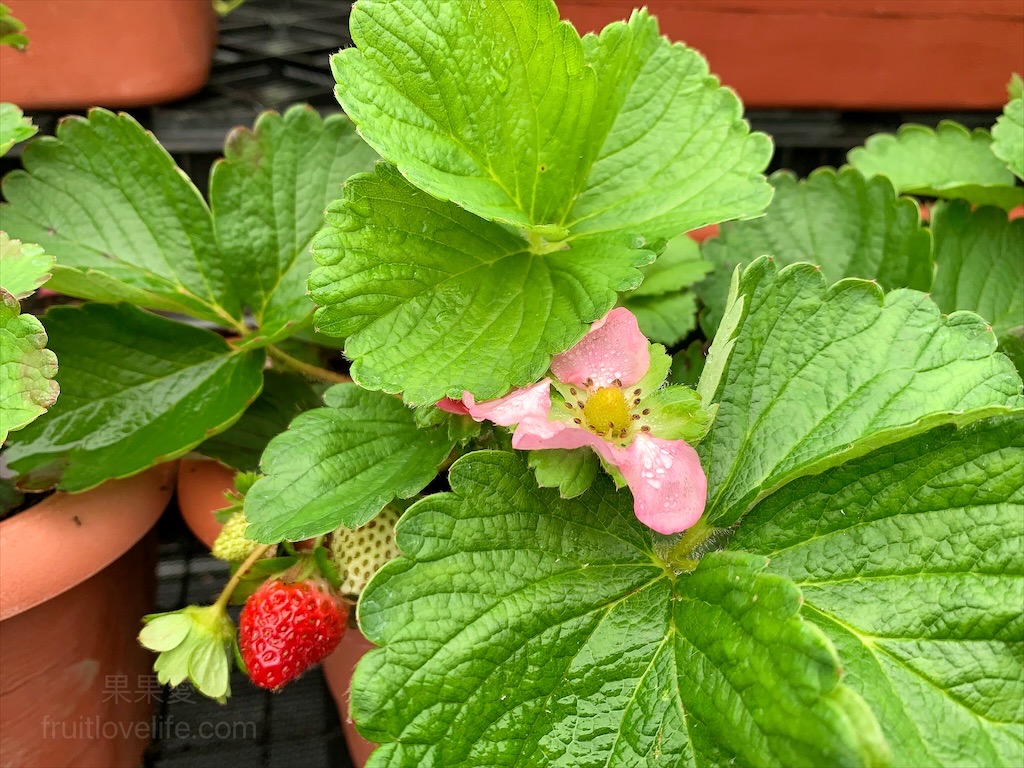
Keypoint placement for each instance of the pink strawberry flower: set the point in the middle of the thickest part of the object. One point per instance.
(601, 386)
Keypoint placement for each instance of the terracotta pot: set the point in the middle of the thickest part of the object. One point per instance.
(201, 487)
(78, 574)
(110, 53)
(843, 54)
(338, 669)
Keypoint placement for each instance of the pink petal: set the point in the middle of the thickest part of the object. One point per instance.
(453, 406)
(519, 404)
(537, 435)
(614, 348)
(668, 483)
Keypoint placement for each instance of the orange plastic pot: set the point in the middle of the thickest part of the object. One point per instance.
(843, 54)
(109, 53)
(77, 573)
(201, 487)
(338, 669)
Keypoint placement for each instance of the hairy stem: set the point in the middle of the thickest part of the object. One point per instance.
(225, 595)
(685, 553)
(314, 372)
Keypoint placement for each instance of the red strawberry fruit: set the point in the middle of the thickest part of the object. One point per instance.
(285, 628)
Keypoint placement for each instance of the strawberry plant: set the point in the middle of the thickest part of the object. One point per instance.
(570, 546)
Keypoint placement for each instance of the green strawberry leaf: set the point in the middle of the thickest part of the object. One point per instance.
(498, 118)
(574, 156)
(284, 397)
(679, 266)
(675, 153)
(23, 267)
(980, 266)
(340, 465)
(1015, 88)
(122, 221)
(136, 389)
(421, 281)
(910, 559)
(948, 162)
(572, 472)
(14, 127)
(522, 628)
(268, 196)
(1008, 132)
(125, 224)
(847, 225)
(668, 318)
(10, 31)
(665, 311)
(27, 368)
(435, 300)
(807, 378)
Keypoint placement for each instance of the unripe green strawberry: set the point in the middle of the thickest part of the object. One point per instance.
(231, 544)
(361, 552)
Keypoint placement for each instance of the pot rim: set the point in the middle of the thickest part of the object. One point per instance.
(79, 533)
(202, 483)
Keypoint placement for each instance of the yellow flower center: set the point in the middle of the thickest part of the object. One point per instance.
(606, 409)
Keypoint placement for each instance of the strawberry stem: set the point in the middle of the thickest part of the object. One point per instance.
(225, 595)
(314, 372)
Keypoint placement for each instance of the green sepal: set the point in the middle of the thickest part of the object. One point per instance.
(571, 471)
(259, 572)
(236, 653)
(677, 414)
(193, 644)
(244, 481)
(688, 364)
(657, 371)
(328, 569)
(14, 127)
